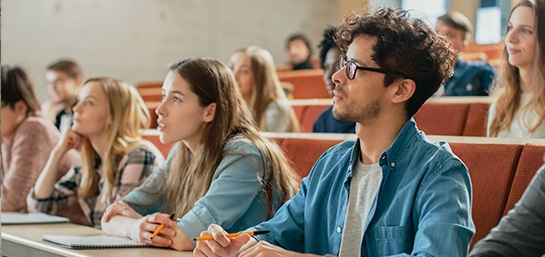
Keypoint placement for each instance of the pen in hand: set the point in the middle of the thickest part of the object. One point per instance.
(250, 233)
(156, 232)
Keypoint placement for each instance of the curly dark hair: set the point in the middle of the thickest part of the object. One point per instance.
(403, 44)
(328, 41)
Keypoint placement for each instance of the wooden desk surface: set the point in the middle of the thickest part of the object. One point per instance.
(26, 240)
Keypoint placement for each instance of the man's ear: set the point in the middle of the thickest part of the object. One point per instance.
(209, 112)
(20, 108)
(404, 90)
(464, 45)
(79, 80)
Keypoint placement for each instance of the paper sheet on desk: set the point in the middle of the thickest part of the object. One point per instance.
(30, 218)
(92, 242)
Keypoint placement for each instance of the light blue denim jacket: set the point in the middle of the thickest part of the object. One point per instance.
(423, 207)
(234, 200)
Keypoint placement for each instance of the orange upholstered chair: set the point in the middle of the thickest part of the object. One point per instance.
(491, 167)
(529, 162)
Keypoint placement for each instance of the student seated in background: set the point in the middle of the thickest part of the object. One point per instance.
(27, 139)
(256, 77)
(391, 192)
(518, 110)
(299, 52)
(470, 78)
(522, 231)
(63, 79)
(114, 158)
(329, 60)
(221, 171)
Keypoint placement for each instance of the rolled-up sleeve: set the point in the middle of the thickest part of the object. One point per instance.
(65, 194)
(230, 194)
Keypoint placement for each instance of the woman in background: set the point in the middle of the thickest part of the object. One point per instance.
(221, 171)
(27, 140)
(255, 74)
(519, 108)
(106, 127)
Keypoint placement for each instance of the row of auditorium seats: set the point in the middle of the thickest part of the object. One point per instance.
(500, 169)
(450, 116)
(490, 53)
(302, 84)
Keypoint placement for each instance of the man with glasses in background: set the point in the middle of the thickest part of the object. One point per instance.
(391, 192)
(470, 78)
(63, 80)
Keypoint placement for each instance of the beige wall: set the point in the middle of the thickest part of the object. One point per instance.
(135, 40)
(468, 8)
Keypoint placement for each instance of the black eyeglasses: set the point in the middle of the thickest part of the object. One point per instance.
(352, 67)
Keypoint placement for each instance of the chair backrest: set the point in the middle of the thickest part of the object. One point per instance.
(306, 83)
(442, 118)
(491, 167)
(529, 162)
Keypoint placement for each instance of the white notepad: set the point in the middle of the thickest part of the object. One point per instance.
(92, 242)
(30, 218)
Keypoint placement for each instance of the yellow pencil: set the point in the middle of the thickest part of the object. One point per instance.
(156, 232)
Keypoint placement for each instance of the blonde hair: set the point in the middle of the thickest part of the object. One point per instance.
(213, 82)
(129, 114)
(507, 90)
(267, 89)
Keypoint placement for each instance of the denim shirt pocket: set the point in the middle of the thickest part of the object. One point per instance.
(393, 240)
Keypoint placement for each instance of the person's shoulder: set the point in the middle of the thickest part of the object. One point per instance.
(38, 125)
(438, 151)
(325, 115)
(241, 145)
(341, 148)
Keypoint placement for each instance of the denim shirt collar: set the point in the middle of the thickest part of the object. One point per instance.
(409, 132)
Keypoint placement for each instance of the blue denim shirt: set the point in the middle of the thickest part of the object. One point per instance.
(470, 79)
(423, 207)
(234, 200)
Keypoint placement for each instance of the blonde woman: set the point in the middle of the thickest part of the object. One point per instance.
(255, 73)
(221, 171)
(114, 158)
(519, 108)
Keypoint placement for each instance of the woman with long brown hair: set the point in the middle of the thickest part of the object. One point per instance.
(519, 108)
(255, 74)
(221, 171)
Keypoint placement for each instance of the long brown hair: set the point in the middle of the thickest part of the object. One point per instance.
(267, 89)
(213, 82)
(507, 90)
(129, 115)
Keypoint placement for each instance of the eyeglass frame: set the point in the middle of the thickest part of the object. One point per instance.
(344, 62)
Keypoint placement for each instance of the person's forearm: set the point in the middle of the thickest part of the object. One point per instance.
(119, 226)
(45, 184)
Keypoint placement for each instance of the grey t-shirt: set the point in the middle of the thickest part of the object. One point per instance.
(366, 179)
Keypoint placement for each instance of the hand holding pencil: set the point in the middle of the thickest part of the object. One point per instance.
(217, 241)
(161, 227)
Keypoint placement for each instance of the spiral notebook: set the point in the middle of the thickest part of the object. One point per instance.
(92, 242)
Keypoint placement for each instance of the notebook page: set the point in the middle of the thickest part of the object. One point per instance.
(92, 242)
